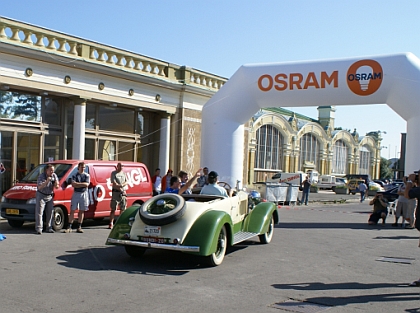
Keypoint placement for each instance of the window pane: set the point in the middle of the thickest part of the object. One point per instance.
(125, 151)
(14, 105)
(52, 112)
(268, 154)
(90, 116)
(6, 146)
(107, 150)
(52, 150)
(116, 119)
(90, 149)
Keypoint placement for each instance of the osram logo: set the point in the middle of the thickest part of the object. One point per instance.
(296, 81)
(364, 77)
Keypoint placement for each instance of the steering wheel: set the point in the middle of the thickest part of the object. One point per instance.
(224, 185)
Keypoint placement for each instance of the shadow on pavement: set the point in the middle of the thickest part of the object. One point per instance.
(334, 225)
(153, 262)
(357, 299)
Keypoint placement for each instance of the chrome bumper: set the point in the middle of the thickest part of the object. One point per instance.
(153, 245)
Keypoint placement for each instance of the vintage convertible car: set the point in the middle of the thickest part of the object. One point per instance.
(197, 224)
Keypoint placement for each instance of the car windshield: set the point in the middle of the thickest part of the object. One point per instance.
(59, 169)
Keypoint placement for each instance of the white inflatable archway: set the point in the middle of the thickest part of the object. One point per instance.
(393, 79)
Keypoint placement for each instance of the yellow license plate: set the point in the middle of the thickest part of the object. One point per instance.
(12, 211)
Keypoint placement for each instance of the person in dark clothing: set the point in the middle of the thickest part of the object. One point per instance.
(306, 188)
(380, 209)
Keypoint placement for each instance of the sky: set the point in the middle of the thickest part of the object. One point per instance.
(219, 36)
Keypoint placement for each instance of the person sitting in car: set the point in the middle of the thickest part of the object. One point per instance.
(212, 188)
(176, 181)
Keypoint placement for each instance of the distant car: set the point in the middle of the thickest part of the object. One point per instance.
(203, 225)
(380, 182)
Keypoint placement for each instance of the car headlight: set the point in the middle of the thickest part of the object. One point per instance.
(31, 201)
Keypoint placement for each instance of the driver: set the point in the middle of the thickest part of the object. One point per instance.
(212, 188)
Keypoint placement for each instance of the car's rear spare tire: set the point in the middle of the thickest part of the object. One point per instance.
(162, 209)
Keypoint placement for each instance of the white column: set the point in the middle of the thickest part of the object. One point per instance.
(79, 130)
(165, 132)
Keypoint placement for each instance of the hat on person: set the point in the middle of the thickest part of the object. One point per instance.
(213, 174)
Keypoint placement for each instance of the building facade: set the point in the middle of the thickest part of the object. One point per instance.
(63, 97)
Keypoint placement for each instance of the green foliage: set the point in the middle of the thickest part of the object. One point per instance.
(385, 170)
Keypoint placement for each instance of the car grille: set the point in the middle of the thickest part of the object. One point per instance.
(15, 201)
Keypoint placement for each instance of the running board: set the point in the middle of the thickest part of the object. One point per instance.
(242, 236)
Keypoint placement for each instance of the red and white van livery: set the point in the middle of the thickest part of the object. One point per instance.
(18, 203)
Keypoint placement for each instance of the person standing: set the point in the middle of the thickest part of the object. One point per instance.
(46, 183)
(119, 181)
(362, 190)
(166, 180)
(156, 182)
(306, 188)
(402, 204)
(80, 199)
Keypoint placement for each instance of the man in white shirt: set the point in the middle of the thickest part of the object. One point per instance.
(212, 188)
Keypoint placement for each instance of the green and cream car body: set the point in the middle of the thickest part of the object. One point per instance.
(198, 224)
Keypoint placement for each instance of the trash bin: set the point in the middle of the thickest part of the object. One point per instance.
(292, 193)
(276, 192)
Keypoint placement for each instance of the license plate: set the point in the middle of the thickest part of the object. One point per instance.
(152, 231)
(12, 211)
(154, 240)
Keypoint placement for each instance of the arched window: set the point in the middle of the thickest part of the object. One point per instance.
(364, 160)
(309, 151)
(268, 153)
(339, 160)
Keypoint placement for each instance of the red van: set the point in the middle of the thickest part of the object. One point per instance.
(18, 203)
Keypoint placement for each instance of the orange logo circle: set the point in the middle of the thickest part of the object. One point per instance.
(364, 77)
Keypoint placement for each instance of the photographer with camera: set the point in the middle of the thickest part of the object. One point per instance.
(380, 209)
(46, 183)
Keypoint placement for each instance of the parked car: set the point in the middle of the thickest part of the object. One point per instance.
(18, 203)
(203, 225)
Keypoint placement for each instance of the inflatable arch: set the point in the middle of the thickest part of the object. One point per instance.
(392, 79)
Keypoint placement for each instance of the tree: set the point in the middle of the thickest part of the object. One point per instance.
(385, 169)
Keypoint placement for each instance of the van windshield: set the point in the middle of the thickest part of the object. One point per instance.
(59, 169)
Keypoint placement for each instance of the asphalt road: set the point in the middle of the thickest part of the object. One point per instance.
(322, 257)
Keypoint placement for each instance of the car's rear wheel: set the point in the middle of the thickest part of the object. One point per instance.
(15, 223)
(266, 237)
(134, 252)
(162, 209)
(217, 257)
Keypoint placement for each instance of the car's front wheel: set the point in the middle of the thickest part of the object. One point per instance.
(15, 223)
(217, 257)
(134, 252)
(266, 237)
(59, 218)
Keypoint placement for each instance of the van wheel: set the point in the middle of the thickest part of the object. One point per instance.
(15, 223)
(162, 209)
(59, 218)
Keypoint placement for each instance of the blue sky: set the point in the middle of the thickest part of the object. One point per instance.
(219, 36)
